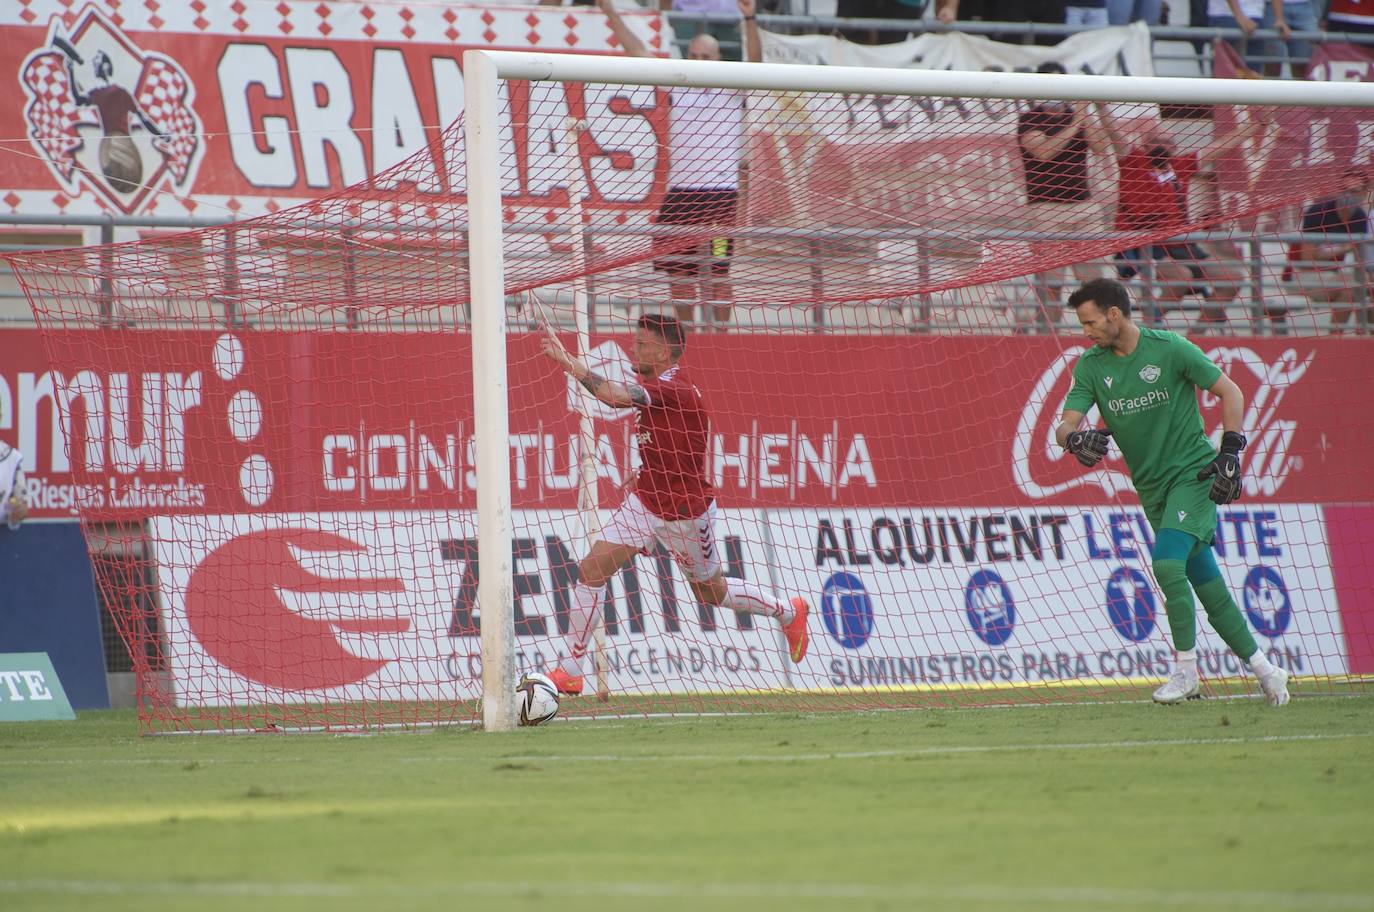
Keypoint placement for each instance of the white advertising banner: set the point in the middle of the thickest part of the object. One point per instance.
(382, 606)
(1005, 596)
(1120, 51)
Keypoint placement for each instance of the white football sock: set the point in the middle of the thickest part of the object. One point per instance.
(583, 615)
(1259, 664)
(1187, 661)
(751, 599)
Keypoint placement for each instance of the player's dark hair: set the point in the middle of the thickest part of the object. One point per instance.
(667, 328)
(1105, 293)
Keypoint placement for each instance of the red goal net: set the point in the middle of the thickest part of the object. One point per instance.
(278, 413)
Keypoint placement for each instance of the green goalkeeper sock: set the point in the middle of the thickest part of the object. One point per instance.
(1221, 609)
(1178, 602)
(1172, 547)
(1226, 618)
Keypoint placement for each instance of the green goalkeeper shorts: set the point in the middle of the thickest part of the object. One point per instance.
(1185, 507)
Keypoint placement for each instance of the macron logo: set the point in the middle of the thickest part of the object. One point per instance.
(1182, 515)
(1108, 381)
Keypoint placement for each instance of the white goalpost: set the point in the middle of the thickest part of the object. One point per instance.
(483, 73)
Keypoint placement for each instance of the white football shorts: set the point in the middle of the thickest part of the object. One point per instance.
(692, 542)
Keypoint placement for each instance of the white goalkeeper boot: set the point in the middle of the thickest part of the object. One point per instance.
(1182, 685)
(1274, 683)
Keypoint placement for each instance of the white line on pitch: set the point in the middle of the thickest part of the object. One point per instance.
(911, 751)
(934, 750)
(1011, 897)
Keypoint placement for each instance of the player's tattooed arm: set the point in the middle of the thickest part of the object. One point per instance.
(614, 394)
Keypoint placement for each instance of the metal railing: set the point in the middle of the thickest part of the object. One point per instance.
(1260, 286)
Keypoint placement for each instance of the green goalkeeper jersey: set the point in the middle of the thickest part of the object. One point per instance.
(1149, 401)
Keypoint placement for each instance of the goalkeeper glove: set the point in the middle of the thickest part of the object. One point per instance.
(1224, 470)
(1088, 446)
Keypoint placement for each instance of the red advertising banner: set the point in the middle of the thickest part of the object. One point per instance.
(1337, 61)
(1315, 142)
(242, 108)
(1351, 533)
(244, 422)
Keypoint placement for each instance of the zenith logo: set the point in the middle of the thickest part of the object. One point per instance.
(1108, 381)
(1182, 515)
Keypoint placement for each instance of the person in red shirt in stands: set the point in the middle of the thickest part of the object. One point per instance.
(670, 501)
(1153, 195)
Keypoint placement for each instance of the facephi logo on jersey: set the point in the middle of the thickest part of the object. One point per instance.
(107, 115)
(1041, 472)
(293, 609)
(1149, 373)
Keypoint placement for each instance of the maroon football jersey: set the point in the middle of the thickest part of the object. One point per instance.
(115, 105)
(672, 448)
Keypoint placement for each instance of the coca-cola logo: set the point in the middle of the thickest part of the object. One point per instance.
(258, 611)
(1268, 457)
(1041, 469)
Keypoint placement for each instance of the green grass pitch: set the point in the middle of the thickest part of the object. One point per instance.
(1215, 805)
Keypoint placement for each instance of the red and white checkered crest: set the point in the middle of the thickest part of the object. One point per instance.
(66, 127)
(162, 94)
(52, 113)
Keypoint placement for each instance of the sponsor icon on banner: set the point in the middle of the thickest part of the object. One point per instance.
(1266, 602)
(317, 618)
(107, 115)
(1131, 604)
(847, 610)
(991, 611)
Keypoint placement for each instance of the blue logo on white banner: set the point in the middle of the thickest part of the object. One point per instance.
(1131, 604)
(991, 611)
(1266, 601)
(847, 610)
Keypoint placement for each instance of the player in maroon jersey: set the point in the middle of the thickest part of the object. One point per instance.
(670, 501)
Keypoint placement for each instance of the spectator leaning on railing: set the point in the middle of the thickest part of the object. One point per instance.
(1300, 16)
(1055, 139)
(1154, 195)
(1050, 12)
(889, 9)
(705, 157)
(1324, 272)
(1246, 15)
(1124, 12)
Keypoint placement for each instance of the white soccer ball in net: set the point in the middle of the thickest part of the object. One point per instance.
(538, 699)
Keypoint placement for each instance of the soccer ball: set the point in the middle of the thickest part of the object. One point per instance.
(538, 699)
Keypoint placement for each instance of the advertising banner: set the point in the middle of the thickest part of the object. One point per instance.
(1003, 596)
(1120, 51)
(1307, 140)
(238, 109)
(286, 422)
(382, 606)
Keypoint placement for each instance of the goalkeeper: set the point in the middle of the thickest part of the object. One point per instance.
(1144, 383)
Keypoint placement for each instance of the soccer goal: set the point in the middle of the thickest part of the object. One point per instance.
(358, 489)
